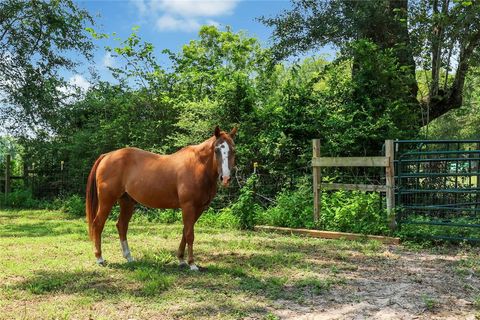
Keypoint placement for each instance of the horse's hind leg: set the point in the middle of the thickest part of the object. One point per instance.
(127, 206)
(104, 208)
(181, 250)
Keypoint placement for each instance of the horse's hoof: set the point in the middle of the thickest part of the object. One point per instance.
(130, 259)
(101, 262)
(193, 267)
(182, 264)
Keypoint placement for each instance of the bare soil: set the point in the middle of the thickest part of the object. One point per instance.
(403, 284)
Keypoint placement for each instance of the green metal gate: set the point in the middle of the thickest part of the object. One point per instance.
(438, 188)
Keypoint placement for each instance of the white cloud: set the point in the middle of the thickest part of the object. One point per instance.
(140, 5)
(198, 8)
(211, 22)
(74, 83)
(79, 81)
(183, 15)
(108, 60)
(169, 23)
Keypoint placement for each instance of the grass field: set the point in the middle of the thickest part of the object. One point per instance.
(47, 271)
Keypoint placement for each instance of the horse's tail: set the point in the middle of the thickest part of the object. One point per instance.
(91, 203)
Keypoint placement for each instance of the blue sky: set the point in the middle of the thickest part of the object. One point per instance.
(172, 23)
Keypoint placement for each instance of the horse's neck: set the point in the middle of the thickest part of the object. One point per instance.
(206, 154)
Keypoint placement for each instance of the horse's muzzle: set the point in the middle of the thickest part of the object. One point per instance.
(225, 181)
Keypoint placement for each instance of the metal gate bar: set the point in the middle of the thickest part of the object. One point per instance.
(438, 185)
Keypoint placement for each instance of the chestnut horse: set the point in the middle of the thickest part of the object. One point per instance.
(186, 179)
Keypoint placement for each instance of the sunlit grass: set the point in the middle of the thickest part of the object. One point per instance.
(47, 270)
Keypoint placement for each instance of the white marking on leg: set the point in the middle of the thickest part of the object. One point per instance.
(193, 267)
(126, 250)
(100, 261)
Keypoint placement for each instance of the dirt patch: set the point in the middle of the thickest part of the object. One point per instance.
(398, 284)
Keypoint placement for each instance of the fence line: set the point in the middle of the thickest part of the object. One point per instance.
(386, 162)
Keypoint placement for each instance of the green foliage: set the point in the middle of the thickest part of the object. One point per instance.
(223, 218)
(421, 231)
(463, 122)
(245, 207)
(20, 199)
(356, 212)
(341, 211)
(39, 39)
(419, 35)
(430, 302)
(226, 78)
(167, 215)
(73, 205)
(293, 208)
(476, 303)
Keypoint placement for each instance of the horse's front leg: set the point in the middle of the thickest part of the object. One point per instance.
(189, 215)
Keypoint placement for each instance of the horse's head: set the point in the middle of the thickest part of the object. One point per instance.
(225, 154)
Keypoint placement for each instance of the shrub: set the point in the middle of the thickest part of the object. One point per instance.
(223, 218)
(20, 199)
(168, 216)
(341, 211)
(418, 228)
(141, 213)
(245, 207)
(294, 208)
(356, 211)
(74, 205)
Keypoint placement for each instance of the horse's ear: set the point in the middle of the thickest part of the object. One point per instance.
(233, 132)
(217, 131)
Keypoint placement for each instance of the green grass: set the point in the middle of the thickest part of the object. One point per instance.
(47, 270)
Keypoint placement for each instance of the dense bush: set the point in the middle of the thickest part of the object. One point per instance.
(223, 218)
(356, 212)
(419, 230)
(73, 205)
(20, 199)
(293, 208)
(245, 207)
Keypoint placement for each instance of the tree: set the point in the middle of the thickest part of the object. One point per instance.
(36, 38)
(434, 35)
(214, 81)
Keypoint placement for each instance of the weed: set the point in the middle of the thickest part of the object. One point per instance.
(430, 302)
(476, 303)
(271, 316)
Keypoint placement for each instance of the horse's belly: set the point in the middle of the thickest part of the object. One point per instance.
(163, 197)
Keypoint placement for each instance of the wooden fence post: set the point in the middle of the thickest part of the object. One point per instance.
(317, 183)
(7, 174)
(390, 182)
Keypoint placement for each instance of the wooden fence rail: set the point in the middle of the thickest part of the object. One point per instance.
(386, 162)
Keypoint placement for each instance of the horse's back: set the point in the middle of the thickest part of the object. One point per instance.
(147, 177)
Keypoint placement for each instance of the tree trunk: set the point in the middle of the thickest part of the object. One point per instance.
(452, 98)
(400, 40)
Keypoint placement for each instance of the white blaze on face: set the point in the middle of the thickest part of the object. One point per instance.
(225, 150)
